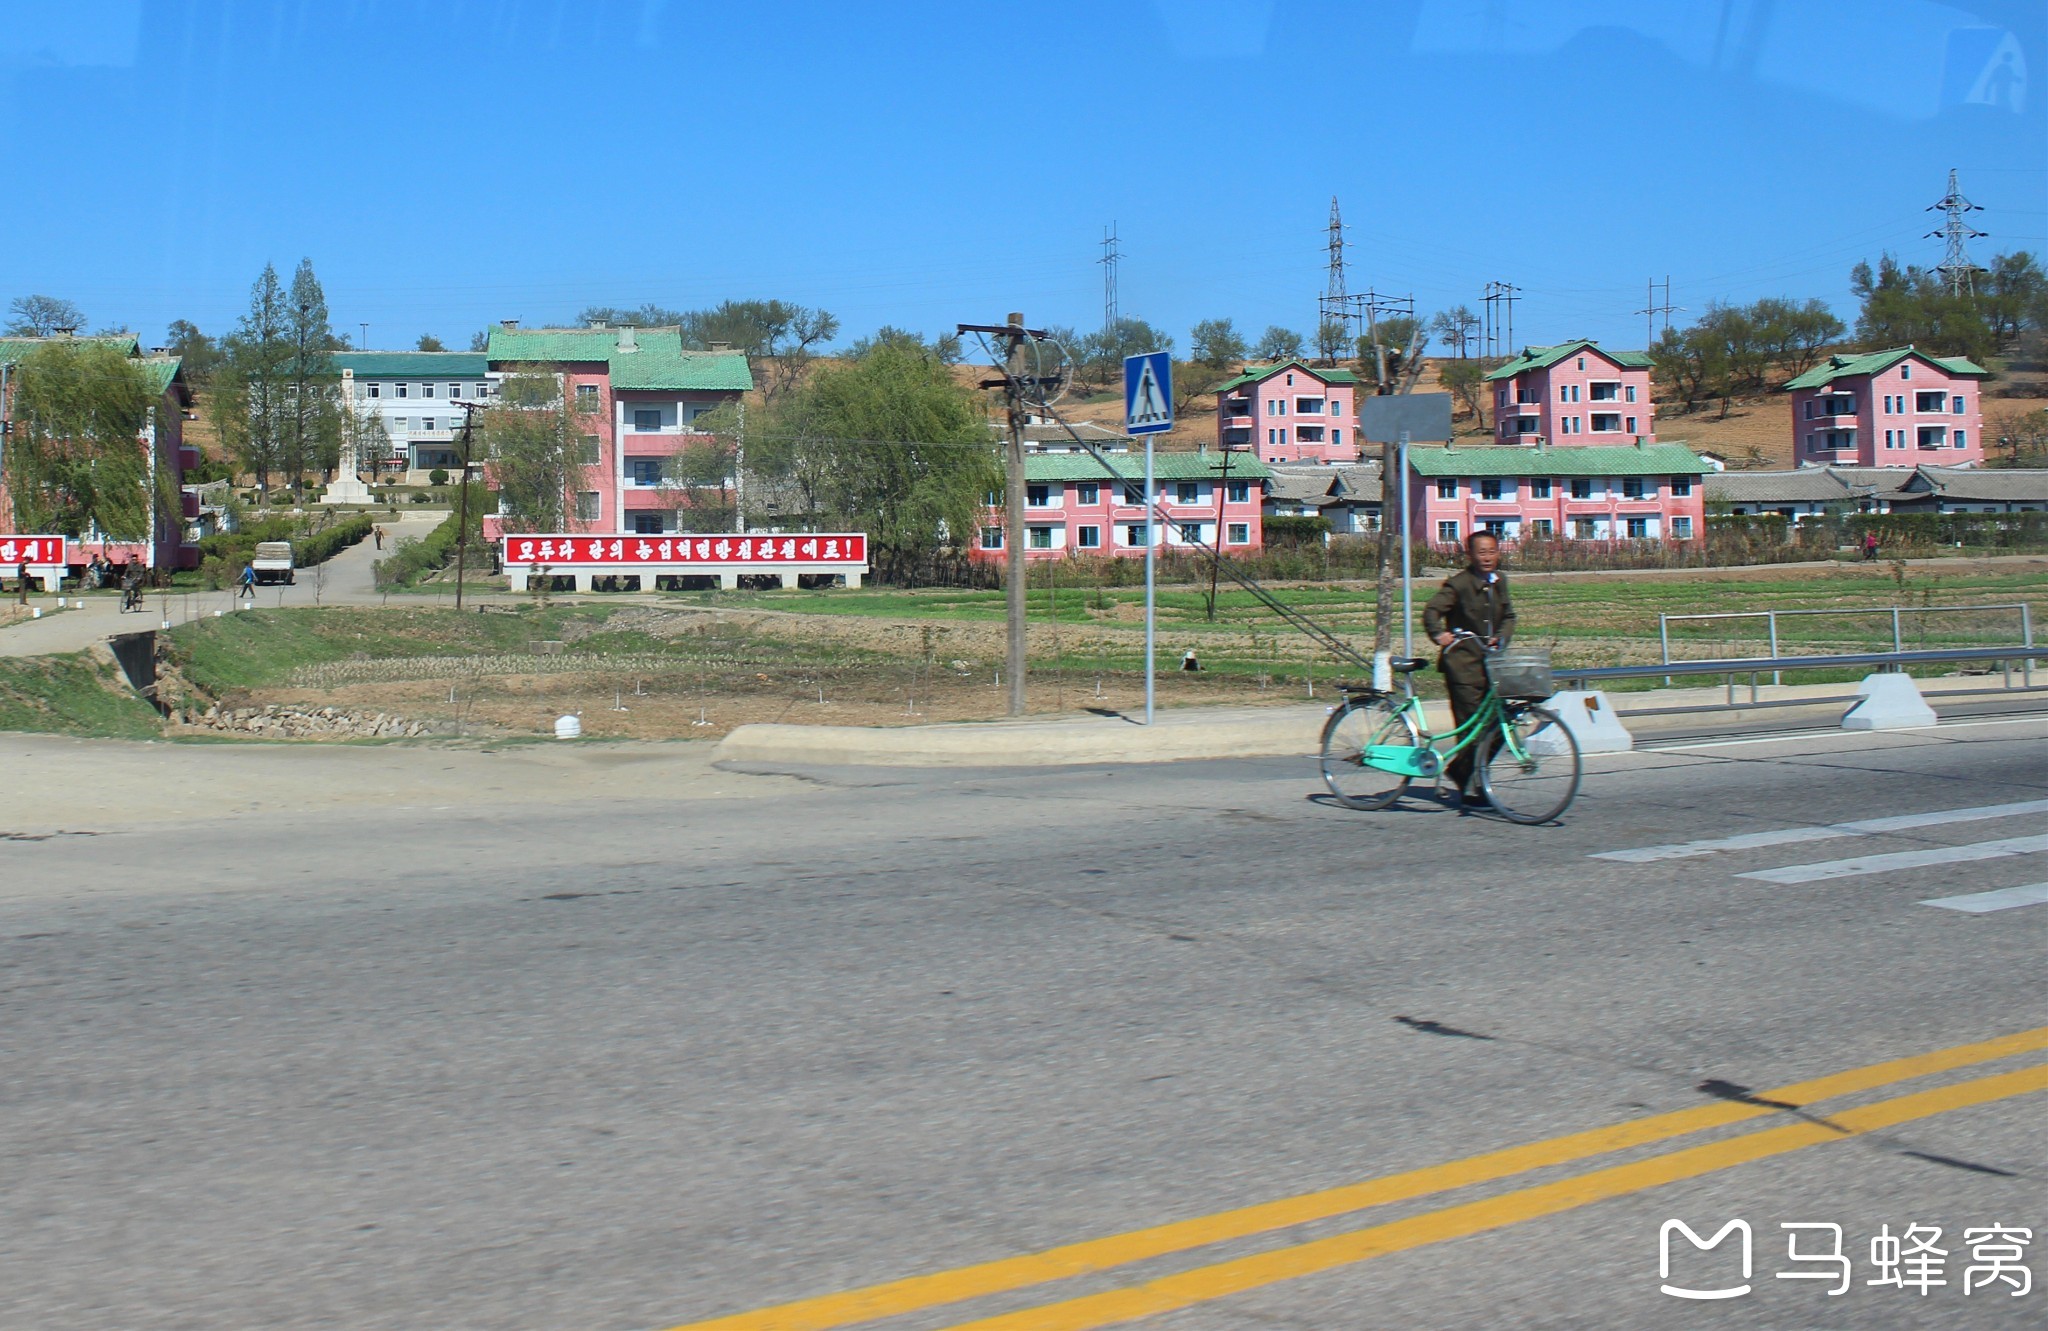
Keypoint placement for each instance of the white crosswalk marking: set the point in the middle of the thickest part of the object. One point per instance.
(1786, 836)
(2005, 898)
(1904, 859)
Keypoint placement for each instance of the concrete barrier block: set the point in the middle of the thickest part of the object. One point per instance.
(1591, 720)
(1889, 702)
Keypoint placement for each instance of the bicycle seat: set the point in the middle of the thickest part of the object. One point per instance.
(1402, 665)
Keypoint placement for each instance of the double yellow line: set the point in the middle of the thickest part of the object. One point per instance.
(1237, 1275)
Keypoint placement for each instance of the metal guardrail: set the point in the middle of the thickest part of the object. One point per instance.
(1895, 612)
(1755, 666)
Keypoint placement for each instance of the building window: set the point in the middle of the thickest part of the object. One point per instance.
(1490, 488)
(374, 389)
(1585, 528)
(1955, 405)
(1631, 427)
(1447, 489)
(1582, 368)
(1498, 527)
(1681, 528)
(586, 395)
(1638, 528)
(1681, 486)
(1283, 435)
(593, 451)
(1906, 370)
(1959, 441)
(398, 425)
(1336, 406)
(1308, 406)
(455, 390)
(1237, 492)
(1337, 436)
(401, 390)
(1087, 492)
(1446, 532)
(1088, 538)
(1541, 529)
(647, 524)
(646, 422)
(1539, 487)
(1186, 492)
(1582, 487)
(1933, 436)
(1629, 392)
(1191, 533)
(426, 422)
(589, 506)
(1631, 487)
(1930, 402)
(1606, 422)
(426, 390)
(991, 538)
(1239, 533)
(1564, 393)
(646, 471)
(483, 390)
(1133, 495)
(1135, 533)
(1038, 538)
(1037, 496)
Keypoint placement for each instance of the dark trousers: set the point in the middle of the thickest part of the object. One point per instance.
(1465, 678)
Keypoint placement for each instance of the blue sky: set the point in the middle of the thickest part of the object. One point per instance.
(919, 164)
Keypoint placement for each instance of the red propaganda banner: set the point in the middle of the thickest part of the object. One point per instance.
(836, 548)
(16, 550)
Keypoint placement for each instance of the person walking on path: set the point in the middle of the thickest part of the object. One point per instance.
(23, 594)
(1869, 546)
(131, 587)
(1468, 614)
(378, 534)
(249, 581)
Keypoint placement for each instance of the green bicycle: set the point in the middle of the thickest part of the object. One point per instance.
(1527, 763)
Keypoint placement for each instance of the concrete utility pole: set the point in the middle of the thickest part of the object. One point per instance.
(1018, 374)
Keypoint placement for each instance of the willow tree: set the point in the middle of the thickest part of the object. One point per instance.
(537, 445)
(76, 463)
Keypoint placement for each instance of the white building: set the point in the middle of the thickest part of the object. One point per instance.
(418, 396)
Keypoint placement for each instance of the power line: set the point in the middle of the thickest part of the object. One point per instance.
(1651, 309)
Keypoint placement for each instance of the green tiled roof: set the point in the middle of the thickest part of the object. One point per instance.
(413, 364)
(660, 369)
(1876, 362)
(1256, 374)
(13, 349)
(660, 363)
(160, 372)
(1511, 460)
(1131, 467)
(1542, 358)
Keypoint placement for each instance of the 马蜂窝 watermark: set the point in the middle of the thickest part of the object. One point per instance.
(1913, 1259)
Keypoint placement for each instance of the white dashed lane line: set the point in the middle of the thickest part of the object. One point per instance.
(2005, 898)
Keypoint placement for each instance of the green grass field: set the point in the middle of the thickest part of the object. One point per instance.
(71, 695)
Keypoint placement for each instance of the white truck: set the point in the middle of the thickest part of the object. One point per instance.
(273, 562)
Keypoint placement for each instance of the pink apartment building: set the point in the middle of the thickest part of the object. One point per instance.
(162, 436)
(1647, 492)
(1289, 413)
(639, 394)
(1574, 394)
(1073, 507)
(1898, 408)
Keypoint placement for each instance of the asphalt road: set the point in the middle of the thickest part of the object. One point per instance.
(637, 1064)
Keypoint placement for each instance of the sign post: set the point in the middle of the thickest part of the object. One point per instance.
(1148, 410)
(1400, 417)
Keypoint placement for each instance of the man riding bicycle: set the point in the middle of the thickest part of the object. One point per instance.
(1468, 614)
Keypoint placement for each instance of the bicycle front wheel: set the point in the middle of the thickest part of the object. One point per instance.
(1533, 778)
(1350, 730)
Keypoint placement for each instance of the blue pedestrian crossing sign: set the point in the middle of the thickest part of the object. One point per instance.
(1148, 393)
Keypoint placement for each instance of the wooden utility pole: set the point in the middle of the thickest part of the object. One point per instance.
(1019, 383)
(462, 504)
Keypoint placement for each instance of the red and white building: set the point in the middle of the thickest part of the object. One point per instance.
(161, 435)
(638, 395)
(1073, 506)
(1648, 492)
(1897, 408)
(1574, 394)
(1289, 413)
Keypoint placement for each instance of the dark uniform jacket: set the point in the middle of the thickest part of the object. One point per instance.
(1471, 601)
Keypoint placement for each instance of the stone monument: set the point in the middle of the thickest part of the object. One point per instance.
(347, 487)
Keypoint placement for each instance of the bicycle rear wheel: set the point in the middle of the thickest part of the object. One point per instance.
(1534, 780)
(1353, 727)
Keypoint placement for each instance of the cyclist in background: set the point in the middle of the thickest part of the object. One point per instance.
(1469, 613)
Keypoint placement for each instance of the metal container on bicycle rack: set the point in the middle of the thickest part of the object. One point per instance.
(1521, 673)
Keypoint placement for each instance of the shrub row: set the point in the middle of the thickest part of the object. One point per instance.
(412, 559)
